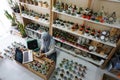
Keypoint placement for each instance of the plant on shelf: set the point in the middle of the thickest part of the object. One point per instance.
(40, 3)
(35, 2)
(45, 4)
(11, 18)
(47, 16)
(79, 10)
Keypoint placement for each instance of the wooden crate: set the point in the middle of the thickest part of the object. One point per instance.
(108, 77)
(41, 60)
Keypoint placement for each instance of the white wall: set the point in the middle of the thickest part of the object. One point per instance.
(4, 22)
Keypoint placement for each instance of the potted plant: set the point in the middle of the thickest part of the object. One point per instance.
(40, 3)
(35, 2)
(47, 17)
(11, 18)
(93, 32)
(32, 2)
(45, 4)
(87, 31)
(65, 7)
(21, 28)
(79, 10)
(98, 33)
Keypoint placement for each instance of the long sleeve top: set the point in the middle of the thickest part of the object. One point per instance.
(51, 47)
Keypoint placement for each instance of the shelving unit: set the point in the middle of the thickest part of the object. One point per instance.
(89, 37)
(94, 53)
(34, 30)
(34, 6)
(39, 21)
(98, 63)
(95, 22)
(65, 42)
(54, 13)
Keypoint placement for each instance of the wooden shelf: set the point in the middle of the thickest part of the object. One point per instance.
(39, 21)
(88, 37)
(111, 74)
(45, 77)
(50, 24)
(117, 1)
(99, 63)
(93, 53)
(36, 31)
(34, 6)
(104, 24)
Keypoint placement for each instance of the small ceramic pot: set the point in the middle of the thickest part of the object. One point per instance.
(61, 75)
(82, 75)
(57, 69)
(54, 78)
(45, 4)
(71, 76)
(40, 3)
(65, 78)
(56, 73)
(70, 68)
(61, 65)
(66, 67)
(67, 72)
(76, 78)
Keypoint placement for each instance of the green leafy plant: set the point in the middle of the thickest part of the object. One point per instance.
(21, 28)
(11, 18)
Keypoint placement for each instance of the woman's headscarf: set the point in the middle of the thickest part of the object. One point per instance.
(45, 38)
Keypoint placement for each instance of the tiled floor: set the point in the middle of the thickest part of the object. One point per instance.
(10, 70)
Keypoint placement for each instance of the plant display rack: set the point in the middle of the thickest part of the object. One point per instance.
(54, 14)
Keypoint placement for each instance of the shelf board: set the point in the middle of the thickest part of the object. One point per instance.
(99, 63)
(85, 36)
(33, 30)
(39, 21)
(117, 1)
(93, 53)
(34, 6)
(104, 24)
